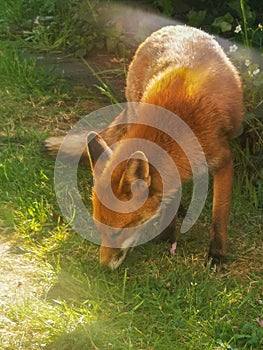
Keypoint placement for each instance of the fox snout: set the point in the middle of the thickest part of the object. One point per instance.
(112, 257)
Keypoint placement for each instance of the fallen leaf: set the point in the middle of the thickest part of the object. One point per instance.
(117, 60)
(173, 248)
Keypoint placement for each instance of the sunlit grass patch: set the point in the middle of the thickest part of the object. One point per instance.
(35, 323)
(22, 75)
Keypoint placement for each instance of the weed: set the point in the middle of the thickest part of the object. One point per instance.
(249, 146)
(103, 87)
(18, 72)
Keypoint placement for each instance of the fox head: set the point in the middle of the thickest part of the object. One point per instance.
(123, 198)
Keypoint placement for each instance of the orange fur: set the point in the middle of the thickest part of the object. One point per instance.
(185, 71)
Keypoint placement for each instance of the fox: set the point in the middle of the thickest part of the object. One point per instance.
(183, 70)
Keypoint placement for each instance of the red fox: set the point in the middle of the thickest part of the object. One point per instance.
(185, 71)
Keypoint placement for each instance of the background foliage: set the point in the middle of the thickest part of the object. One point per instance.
(82, 25)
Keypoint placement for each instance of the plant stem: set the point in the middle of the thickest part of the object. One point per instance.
(105, 89)
(242, 5)
(124, 284)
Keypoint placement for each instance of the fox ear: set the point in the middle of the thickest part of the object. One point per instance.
(98, 151)
(137, 168)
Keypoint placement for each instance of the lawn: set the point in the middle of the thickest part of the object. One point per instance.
(54, 294)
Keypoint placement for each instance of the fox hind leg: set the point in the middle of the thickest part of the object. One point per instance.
(223, 180)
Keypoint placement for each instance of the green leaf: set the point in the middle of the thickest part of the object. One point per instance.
(235, 5)
(196, 18)
(258, 82)
(224, 23)
(166, 6)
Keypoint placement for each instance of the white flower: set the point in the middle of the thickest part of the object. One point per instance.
(233, 48)
(256, 71)
(238, 29)
(247, 63)
(193, 283)
(260, 26)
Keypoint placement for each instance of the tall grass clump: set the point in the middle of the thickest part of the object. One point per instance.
(55, 25)
(21, 73)
(249, 147)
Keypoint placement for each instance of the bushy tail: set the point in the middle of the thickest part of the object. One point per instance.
(76, 142)
(52, 144)
(74, 145)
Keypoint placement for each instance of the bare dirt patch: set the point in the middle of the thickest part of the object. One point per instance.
(20, 277)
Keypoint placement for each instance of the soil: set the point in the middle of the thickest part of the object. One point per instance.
(77, 73)
(20, 278)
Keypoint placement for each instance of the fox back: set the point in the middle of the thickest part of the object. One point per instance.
(185, 71)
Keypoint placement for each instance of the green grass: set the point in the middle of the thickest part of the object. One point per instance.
(58, 296)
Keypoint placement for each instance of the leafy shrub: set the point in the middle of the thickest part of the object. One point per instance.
(79, 26)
